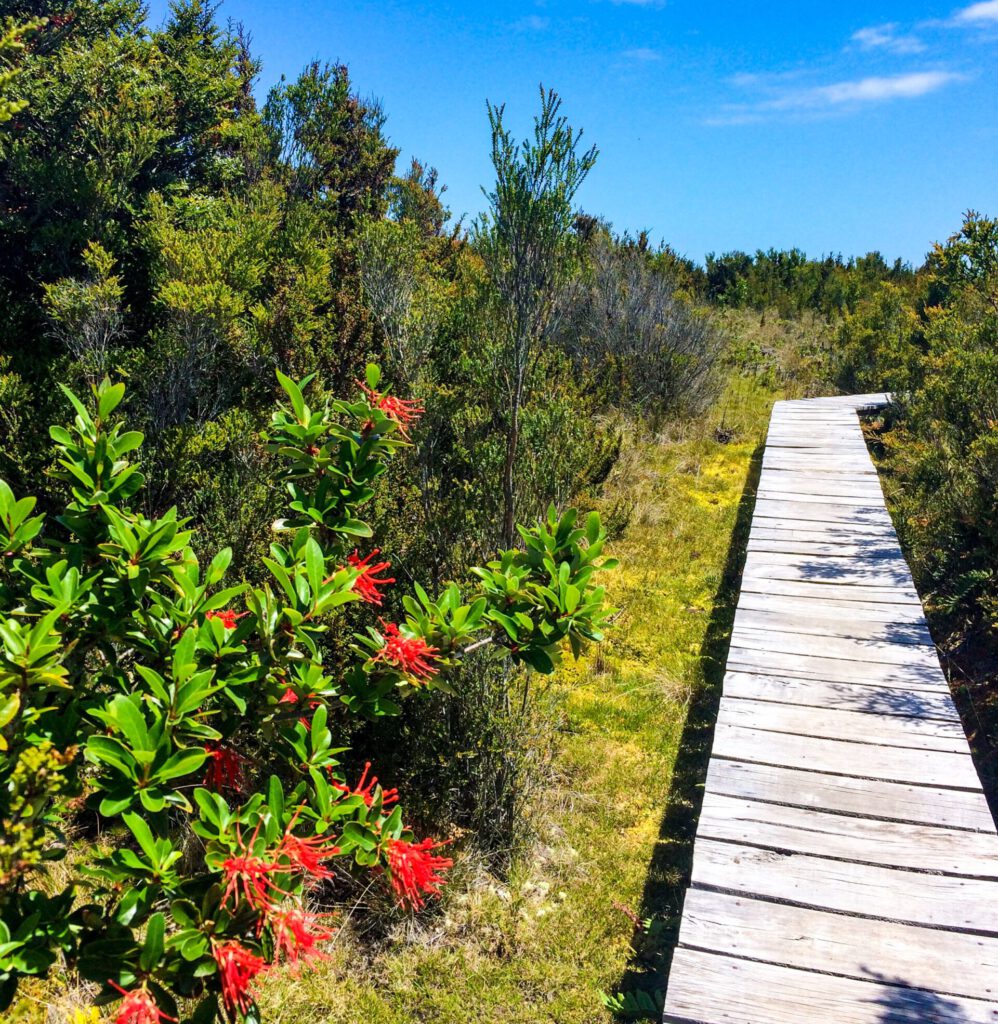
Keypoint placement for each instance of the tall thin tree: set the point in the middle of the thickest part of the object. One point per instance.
(525, 240)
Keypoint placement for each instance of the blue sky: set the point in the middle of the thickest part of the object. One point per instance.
(836, 127)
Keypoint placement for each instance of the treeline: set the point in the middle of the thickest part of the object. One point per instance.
(790, 283)
(163, 226)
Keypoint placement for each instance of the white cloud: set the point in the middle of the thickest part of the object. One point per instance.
(835, 97)
(875, 89)
(887, 37)
(641, 55)
(978, 14)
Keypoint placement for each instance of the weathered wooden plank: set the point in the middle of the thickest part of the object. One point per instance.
(828, 565)
(864, 582)
(820, 623)
(838, 794)
(813, 511)
(793, 444)
(844, 531)
(859, 697)
(787, 458)
(833, 493)
(840, 757)
(888, 843)
(901, 614)
(869, 548)
(808, 479)
(799, 494)
(836, 724)
(838, 647)
(915, 897)
(848, 573)
(810, 590)
(836, 670)
(952, 963)
(706, 988)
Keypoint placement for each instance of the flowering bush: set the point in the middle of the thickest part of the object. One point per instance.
(193, 723)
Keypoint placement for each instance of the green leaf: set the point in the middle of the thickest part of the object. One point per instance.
(113, 805)
(315, 565)
(111, 751)
(355, 528)
(373, 375)
(152, 950)
(143, 834)
(182, 763)
(130, 721)
(294, 393)
(109, 398)
(360, 836)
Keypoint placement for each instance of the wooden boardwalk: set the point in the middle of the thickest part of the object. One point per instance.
(846, 863)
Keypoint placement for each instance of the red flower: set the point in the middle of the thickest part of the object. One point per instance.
(415, 871)
(138, 1007)
(297, 934)
(249, 877)
(227, 617)
(367, 583)
(237, 967)
(410, 655)
(225, 768)
(307, 855)
(388, 796)
(290, 697)
(400, 410)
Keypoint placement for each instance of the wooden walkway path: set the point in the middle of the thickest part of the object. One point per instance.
(846, 863)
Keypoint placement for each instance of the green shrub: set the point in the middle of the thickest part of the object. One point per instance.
(197, 724)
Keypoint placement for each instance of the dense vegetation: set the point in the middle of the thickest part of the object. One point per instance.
(933, 342)
(179, 680)
(186, 257)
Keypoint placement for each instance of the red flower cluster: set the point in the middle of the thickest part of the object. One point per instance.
(307, 855)
(138, 1007)
(225, 769)
(365, 789)
(250, 877)
(297, 933)
(367, 583)
(237, 967)
(415, 870)
(400, 410)
(410, 655)
(227, 616)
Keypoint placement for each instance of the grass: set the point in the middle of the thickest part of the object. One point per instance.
(594, 909)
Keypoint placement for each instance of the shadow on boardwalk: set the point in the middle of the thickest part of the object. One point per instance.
(901, 1005)
(671, 863)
